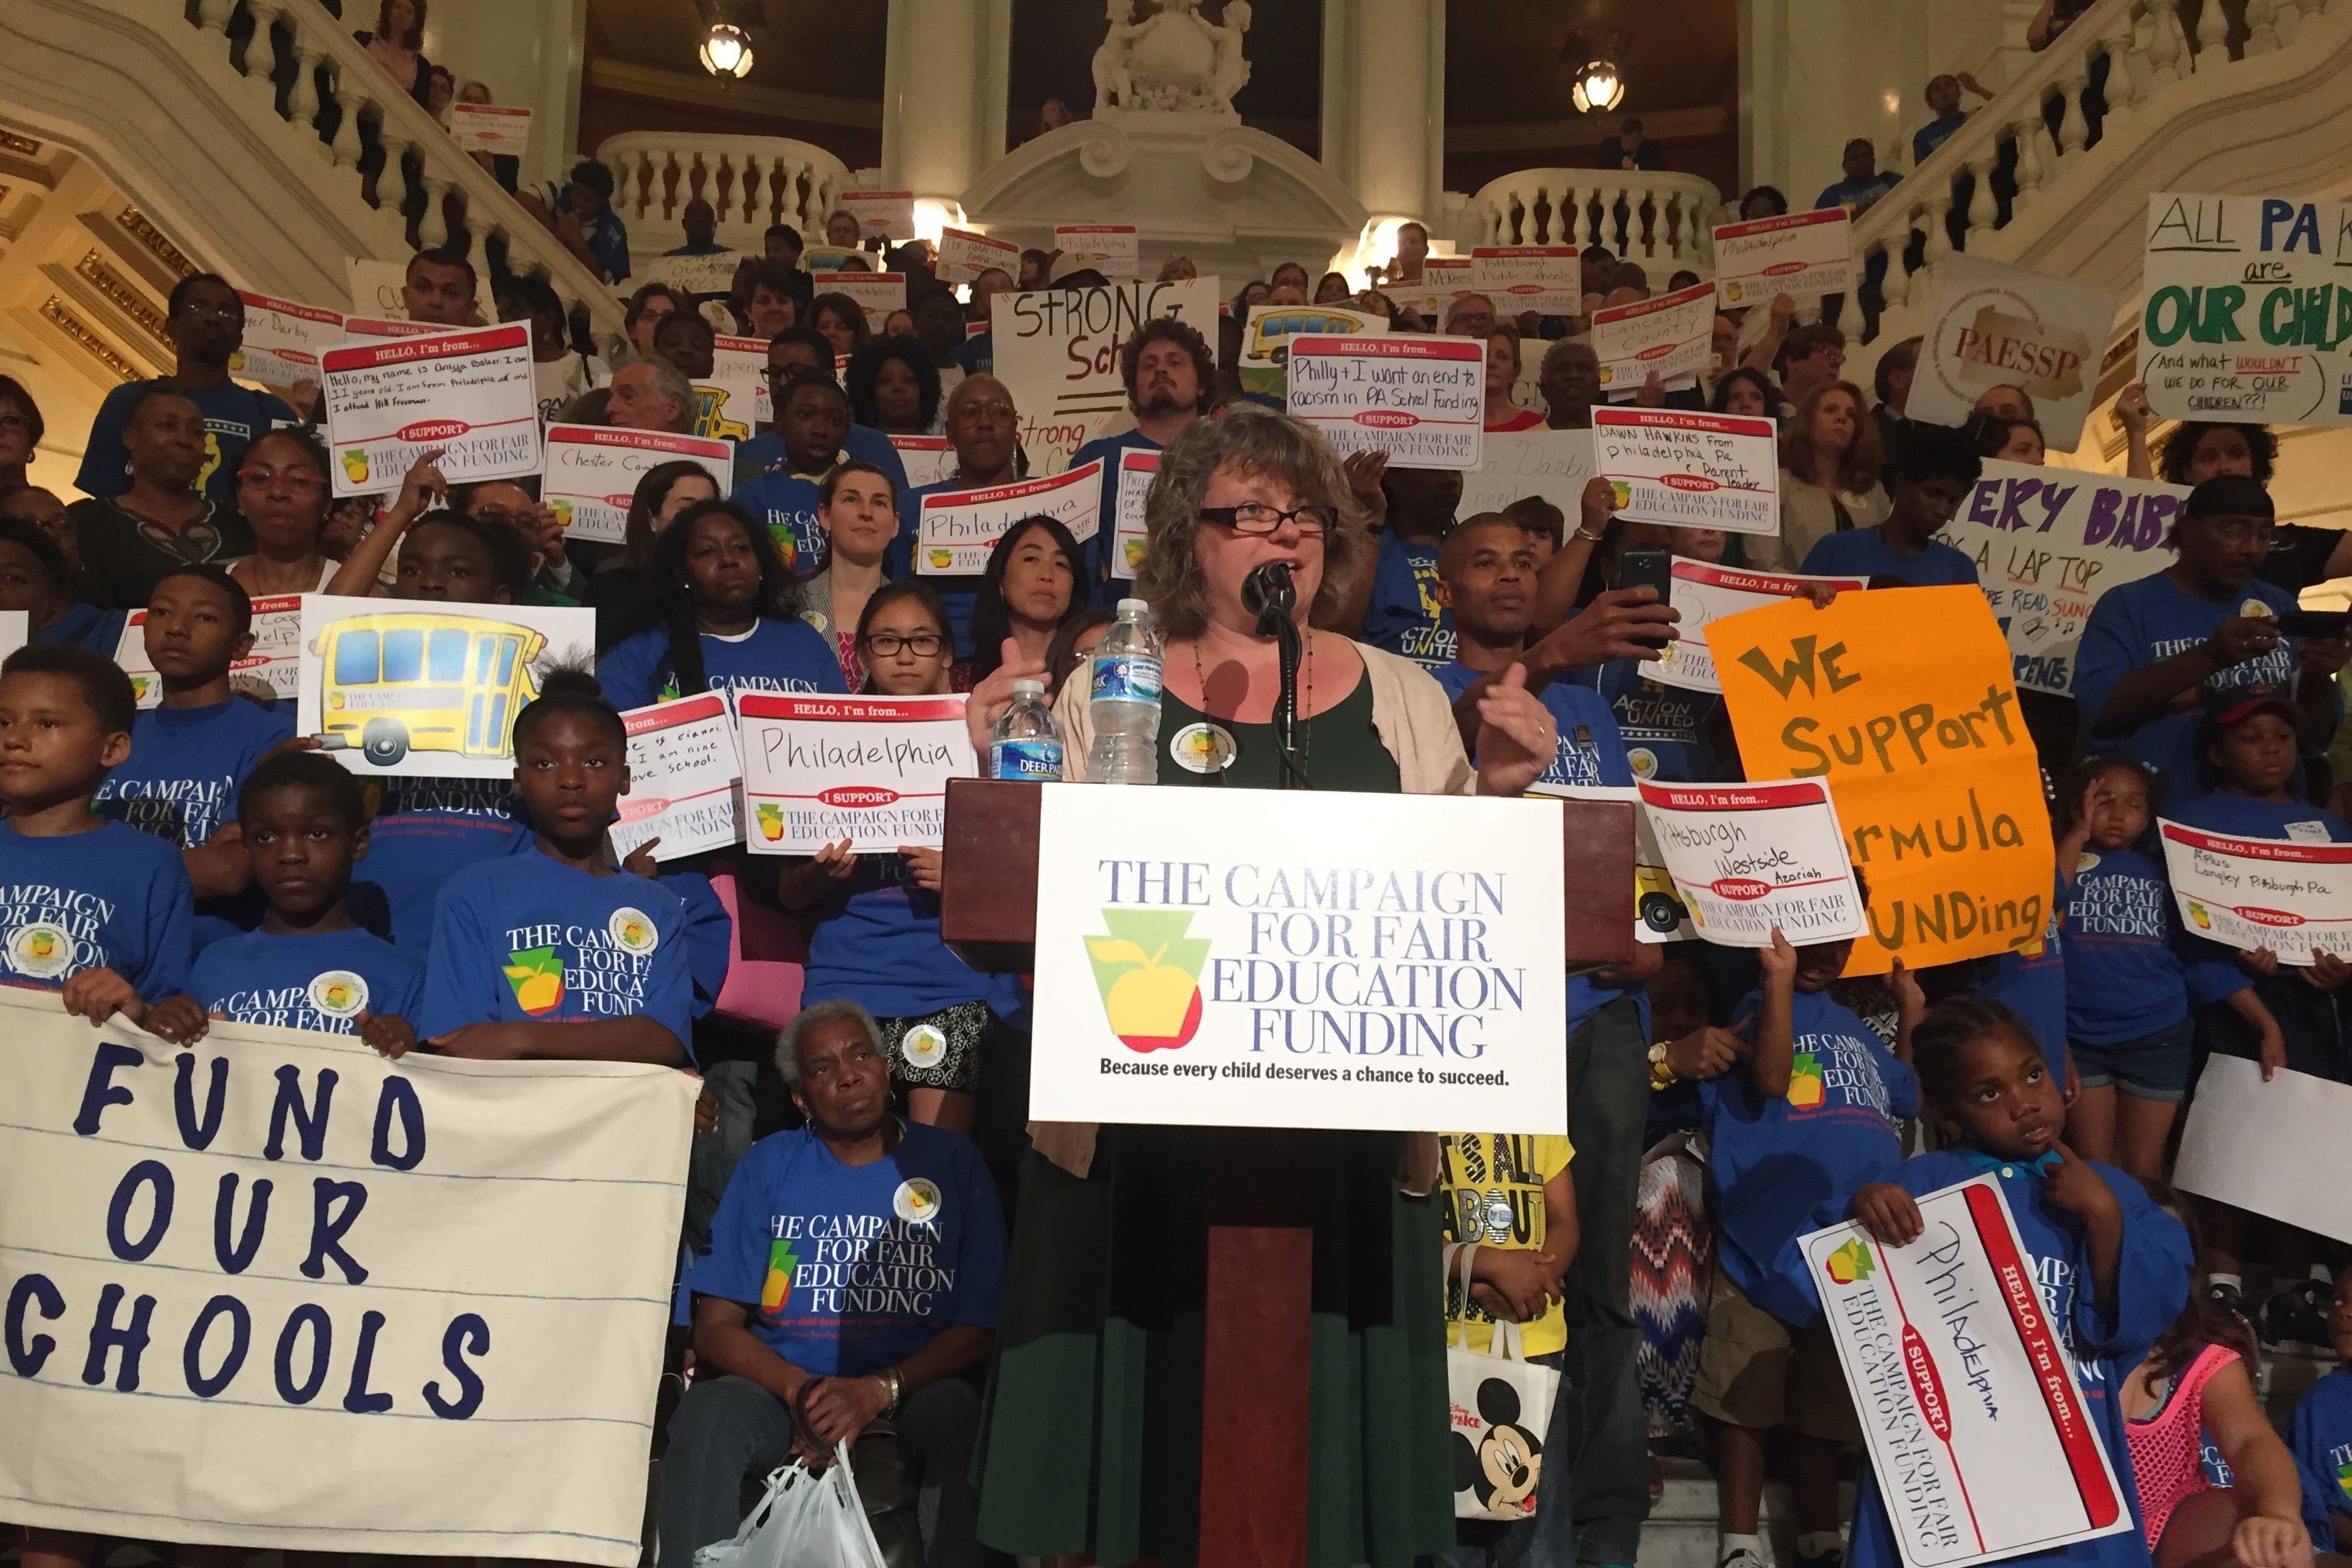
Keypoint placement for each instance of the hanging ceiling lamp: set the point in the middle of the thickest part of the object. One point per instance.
(727, 52)
(1598, 86)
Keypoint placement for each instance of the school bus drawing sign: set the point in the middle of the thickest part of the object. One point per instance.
(1901, 699)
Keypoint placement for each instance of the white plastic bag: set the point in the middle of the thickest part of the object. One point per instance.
(1499, 1409)
(805, 1520)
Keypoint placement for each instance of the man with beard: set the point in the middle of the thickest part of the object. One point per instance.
(205, 322)
(861, 1252)
(1170, 378)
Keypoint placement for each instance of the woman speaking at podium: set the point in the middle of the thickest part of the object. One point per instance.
(1093, 1438)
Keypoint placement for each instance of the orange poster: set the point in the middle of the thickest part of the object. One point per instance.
(1901, 698)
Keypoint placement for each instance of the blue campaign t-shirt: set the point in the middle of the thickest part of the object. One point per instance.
(773, 655)
(2242, 817)
(2151, 1286)
(1776, 1159)
(111, 899)
(1404, 616)
(1665, 728)
(2130, 969)
(2033, 986)
(2321, 1439)
(876, 942)
(234, 418)
(319, 981)
(528, 940)
(786, 502)
(2135, 624)
(1101, 587)
(427, 830)
(180, 781)
(850, 1269)
(1861, 552)
(710, 936)
(957, 593)
(87, 625)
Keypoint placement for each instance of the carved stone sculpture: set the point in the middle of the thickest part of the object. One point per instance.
(1174, 59)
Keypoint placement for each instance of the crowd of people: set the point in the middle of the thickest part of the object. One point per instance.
(1046, 1402)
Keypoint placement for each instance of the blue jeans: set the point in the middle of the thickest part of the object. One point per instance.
(1548, 1540)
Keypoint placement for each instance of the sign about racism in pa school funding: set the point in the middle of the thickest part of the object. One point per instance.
(1280, 959)
(277, 1292)
(1979, 1439)
(2247, 316)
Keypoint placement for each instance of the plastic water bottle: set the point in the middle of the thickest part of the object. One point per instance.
(1025, 743)
(1125, 704)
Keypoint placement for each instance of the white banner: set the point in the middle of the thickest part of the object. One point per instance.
(1421, 400)
(593, 473)
(1800, 254)
(2244, 317)
(1993, 325)
(1748, 857)
(683, 778)
(877, 293)
(470, 394)
(2047, 543)
(1554, 464)
(1264, 359)
(1279, 959)
(1691, 470)
(880, 214)
(1444, 280)
(493, 127)
(269, 671)
(1548, 280)
(736, 397)
(283, 340)
(927, 459)
(1981, 1441)
(1706, 593)
(443, 1337)
(1057, 353)
(696, 275)
(2273, 1148)
(873, 770)
(419, 689)
(1132, 534)
(964, 256)
(1672, 336)
(1111, 248)
(2286, 895)
(957, 530)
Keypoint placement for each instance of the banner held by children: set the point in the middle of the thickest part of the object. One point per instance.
(1671, 337)
(1057, 353)
(1691, 470)
(684, 775)
(2272, 1148)
(2291, 897)
(594, 470)
(1706, 593)
(957, 530)
(2047, 543)
(2245, 318)
(470, 396)
(1548, 280)
(1748, 858)
(441, 1340)
(1979, 1438)
(1902, 702)
(1801, 253)
(1994, 325)
(872, 770)
(1421, 400)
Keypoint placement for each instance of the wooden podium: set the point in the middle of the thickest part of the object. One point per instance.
(1254, 1429)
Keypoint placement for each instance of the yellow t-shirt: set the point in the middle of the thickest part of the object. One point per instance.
(1493, 1184)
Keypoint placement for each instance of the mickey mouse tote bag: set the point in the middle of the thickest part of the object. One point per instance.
(1498, 1407)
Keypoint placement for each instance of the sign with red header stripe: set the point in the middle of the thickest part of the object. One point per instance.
(871, 769)
(2293, 896)
(469, 395)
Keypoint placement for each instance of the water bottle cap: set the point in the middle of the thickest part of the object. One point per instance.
(1028, 689)
(1134, 608)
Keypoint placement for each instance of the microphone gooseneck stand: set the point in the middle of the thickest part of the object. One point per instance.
(1268, 593)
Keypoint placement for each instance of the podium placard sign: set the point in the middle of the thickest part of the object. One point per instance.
(1279, 959)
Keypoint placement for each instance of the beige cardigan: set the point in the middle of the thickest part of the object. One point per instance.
(1415, 719)
(1806, 519)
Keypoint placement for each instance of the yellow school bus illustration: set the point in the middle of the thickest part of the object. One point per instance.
(422, 682)
(1264, 365)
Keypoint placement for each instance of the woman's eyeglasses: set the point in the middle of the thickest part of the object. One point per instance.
(922, 644)
(1256, 518)
(299, 481)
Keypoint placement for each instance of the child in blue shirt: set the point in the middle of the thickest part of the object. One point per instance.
(2133, 977)
(813, 420)
(34, 577)
(733, 618)
(557, 952)
(2321, 1437)
(88, 906)
(2111, 1265)
(1806, 1121)
(303, 818)
(1930, 472)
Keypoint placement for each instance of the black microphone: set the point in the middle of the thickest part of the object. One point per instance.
(1268, 593)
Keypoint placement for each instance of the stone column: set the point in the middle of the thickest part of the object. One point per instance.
(1384, 109)
(942, 95)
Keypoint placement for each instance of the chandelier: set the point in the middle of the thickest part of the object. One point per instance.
(726, 52)
(1599, 87)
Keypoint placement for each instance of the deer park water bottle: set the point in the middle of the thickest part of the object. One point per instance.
(1025, 744)
(1125, 705)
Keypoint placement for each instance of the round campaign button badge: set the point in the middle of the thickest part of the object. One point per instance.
(632, 930)
(924, 1045)
(339, 994)
(917, 1201)
(40, 951)
(2086, 861)
(1643, 762)
(2255, 609)
(1203, 749)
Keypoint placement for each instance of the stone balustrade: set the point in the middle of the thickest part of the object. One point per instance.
(1662, 220)
(751, 181)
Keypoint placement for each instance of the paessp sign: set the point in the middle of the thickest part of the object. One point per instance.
(2003, 326)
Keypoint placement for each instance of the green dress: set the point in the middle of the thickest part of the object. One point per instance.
(1092, 1438)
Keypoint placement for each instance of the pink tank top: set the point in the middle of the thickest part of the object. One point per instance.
(2165, 1448)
